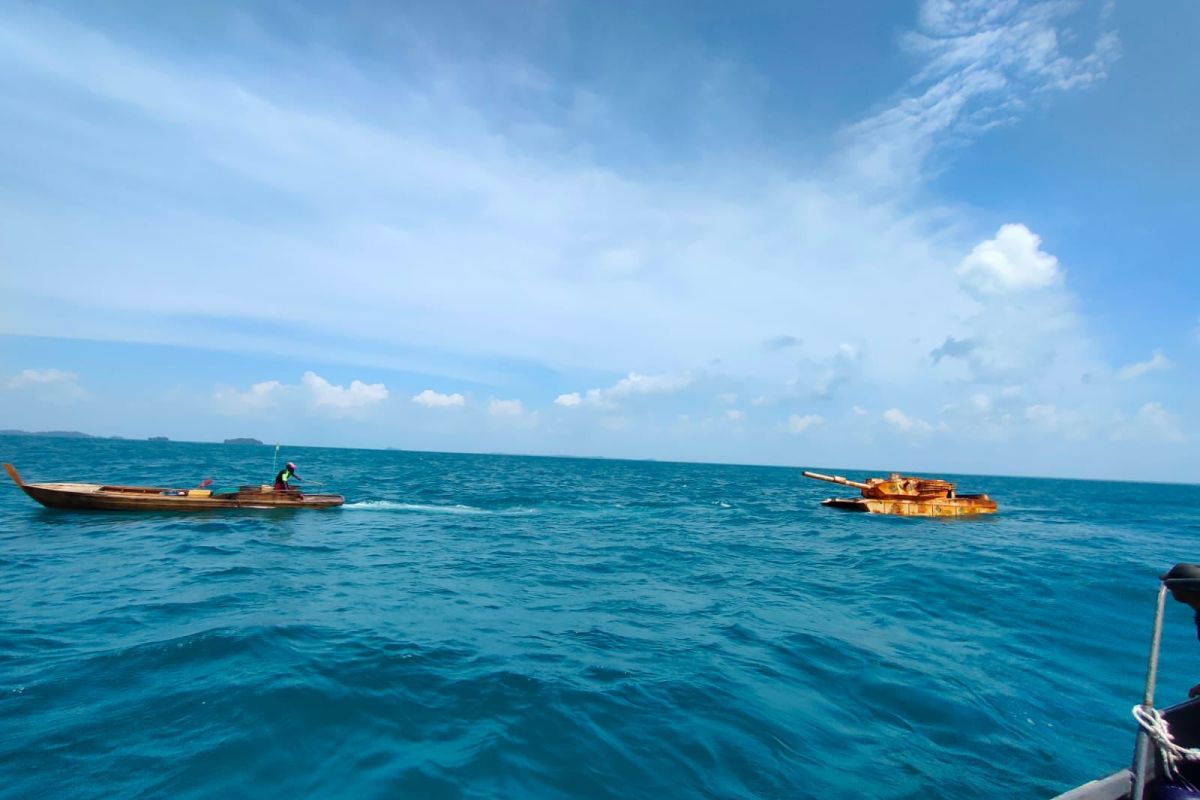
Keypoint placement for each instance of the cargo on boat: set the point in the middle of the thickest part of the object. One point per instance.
(907, 497)
(95, 496)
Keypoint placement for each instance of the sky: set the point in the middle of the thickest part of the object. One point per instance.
(928, 236)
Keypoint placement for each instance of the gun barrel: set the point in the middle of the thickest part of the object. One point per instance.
(836, 479)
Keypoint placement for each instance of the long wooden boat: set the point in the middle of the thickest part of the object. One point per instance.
(102, 497)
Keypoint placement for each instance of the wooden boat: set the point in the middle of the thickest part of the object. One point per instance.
(1166, 753)
(153, 498)
(907, 497)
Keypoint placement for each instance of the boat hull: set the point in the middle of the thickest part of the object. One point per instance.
(961, 506)
(98, 497)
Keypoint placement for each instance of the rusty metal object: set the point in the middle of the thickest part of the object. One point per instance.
(907, 496)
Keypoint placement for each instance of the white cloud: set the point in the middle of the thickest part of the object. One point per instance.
(431, 399)
(313, 392)
(589, 265)
(1151, 424)
(41, 377)
(258, 397)
(635, 384)
(799, 424)
(981, 61)
(902, 422)
(1157, 362)
(728, 398)
(735, 414)
(859, 411)
(471, 189)
(359, 395)
(632, 385)
(505, 408)
(1024, 329)
(50, 385)
(1011, 262)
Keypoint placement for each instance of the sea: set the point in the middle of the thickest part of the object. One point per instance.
(493, 626)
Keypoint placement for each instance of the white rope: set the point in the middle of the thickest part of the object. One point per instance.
(1157, 729)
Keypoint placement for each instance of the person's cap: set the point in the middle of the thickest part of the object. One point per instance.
(1184, 582)
(1188, 571)
(290, 465)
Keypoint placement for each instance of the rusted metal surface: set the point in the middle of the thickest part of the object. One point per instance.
(908, 496)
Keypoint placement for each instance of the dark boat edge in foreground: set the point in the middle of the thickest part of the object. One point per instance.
(101, 497)
(1166, 753)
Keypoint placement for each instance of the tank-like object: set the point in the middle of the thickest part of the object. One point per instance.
(907, 497)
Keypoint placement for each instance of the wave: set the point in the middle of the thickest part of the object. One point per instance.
(423, 508)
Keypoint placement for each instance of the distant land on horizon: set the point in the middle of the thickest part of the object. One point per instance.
(81, 435)
(836, 470)
(53, 434)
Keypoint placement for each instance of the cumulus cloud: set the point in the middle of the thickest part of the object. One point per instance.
(312, 391)
(735, 414)
(1024, 328)
(1157, 362)
(258, 397)
(431, 399)
(1011, 262)
(505, 408)
(51, 385)
(630, 386)
(903, 422)
(358, 395)
(797, 423)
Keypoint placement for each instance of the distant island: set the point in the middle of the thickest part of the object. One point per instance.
(49, 434)
(81, 435)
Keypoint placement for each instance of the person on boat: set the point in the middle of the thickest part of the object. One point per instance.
(1188, 598)
(283, 481)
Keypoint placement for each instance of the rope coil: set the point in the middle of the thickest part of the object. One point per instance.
(1155, 726)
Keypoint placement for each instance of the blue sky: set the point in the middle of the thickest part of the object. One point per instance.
(926, 236)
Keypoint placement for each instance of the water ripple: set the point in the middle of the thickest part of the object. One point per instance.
(490, 626)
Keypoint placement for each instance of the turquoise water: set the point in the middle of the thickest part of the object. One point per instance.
(495, 626)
